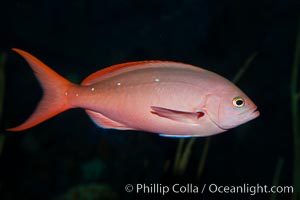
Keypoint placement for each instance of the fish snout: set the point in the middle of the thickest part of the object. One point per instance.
(250, 114)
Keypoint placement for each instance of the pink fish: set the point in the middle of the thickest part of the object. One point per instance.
(169, 98)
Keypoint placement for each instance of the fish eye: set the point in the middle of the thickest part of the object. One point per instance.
(238, 102)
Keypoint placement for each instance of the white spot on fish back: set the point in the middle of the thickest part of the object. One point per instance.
(92, 89)
(66, 93)
(118, 84)
(156, 80)
(77, 94)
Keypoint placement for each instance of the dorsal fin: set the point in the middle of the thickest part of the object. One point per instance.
(94, 76)
(98, 75)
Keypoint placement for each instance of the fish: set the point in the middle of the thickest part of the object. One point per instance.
(169, 98)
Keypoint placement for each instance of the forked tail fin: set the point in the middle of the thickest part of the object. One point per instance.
(54, 100)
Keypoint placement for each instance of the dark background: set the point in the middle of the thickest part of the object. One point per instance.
(68, 157)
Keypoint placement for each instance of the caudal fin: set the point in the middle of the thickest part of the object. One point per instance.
(54, 100)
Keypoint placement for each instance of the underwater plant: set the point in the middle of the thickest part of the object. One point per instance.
(276, 177)
(295, 95)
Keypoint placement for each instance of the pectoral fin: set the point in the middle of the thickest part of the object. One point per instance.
(181, 116)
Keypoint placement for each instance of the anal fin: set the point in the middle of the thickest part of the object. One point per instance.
(105, 122)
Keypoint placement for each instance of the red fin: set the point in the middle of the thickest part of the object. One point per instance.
(94, 76)
(99, 74)
(54, 86)
(181, 116)
(105, 122)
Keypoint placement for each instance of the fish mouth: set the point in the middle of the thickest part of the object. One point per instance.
(245, 116)
(256, 113)
(249, 115)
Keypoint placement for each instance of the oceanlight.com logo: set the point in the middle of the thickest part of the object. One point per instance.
(157, 188)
